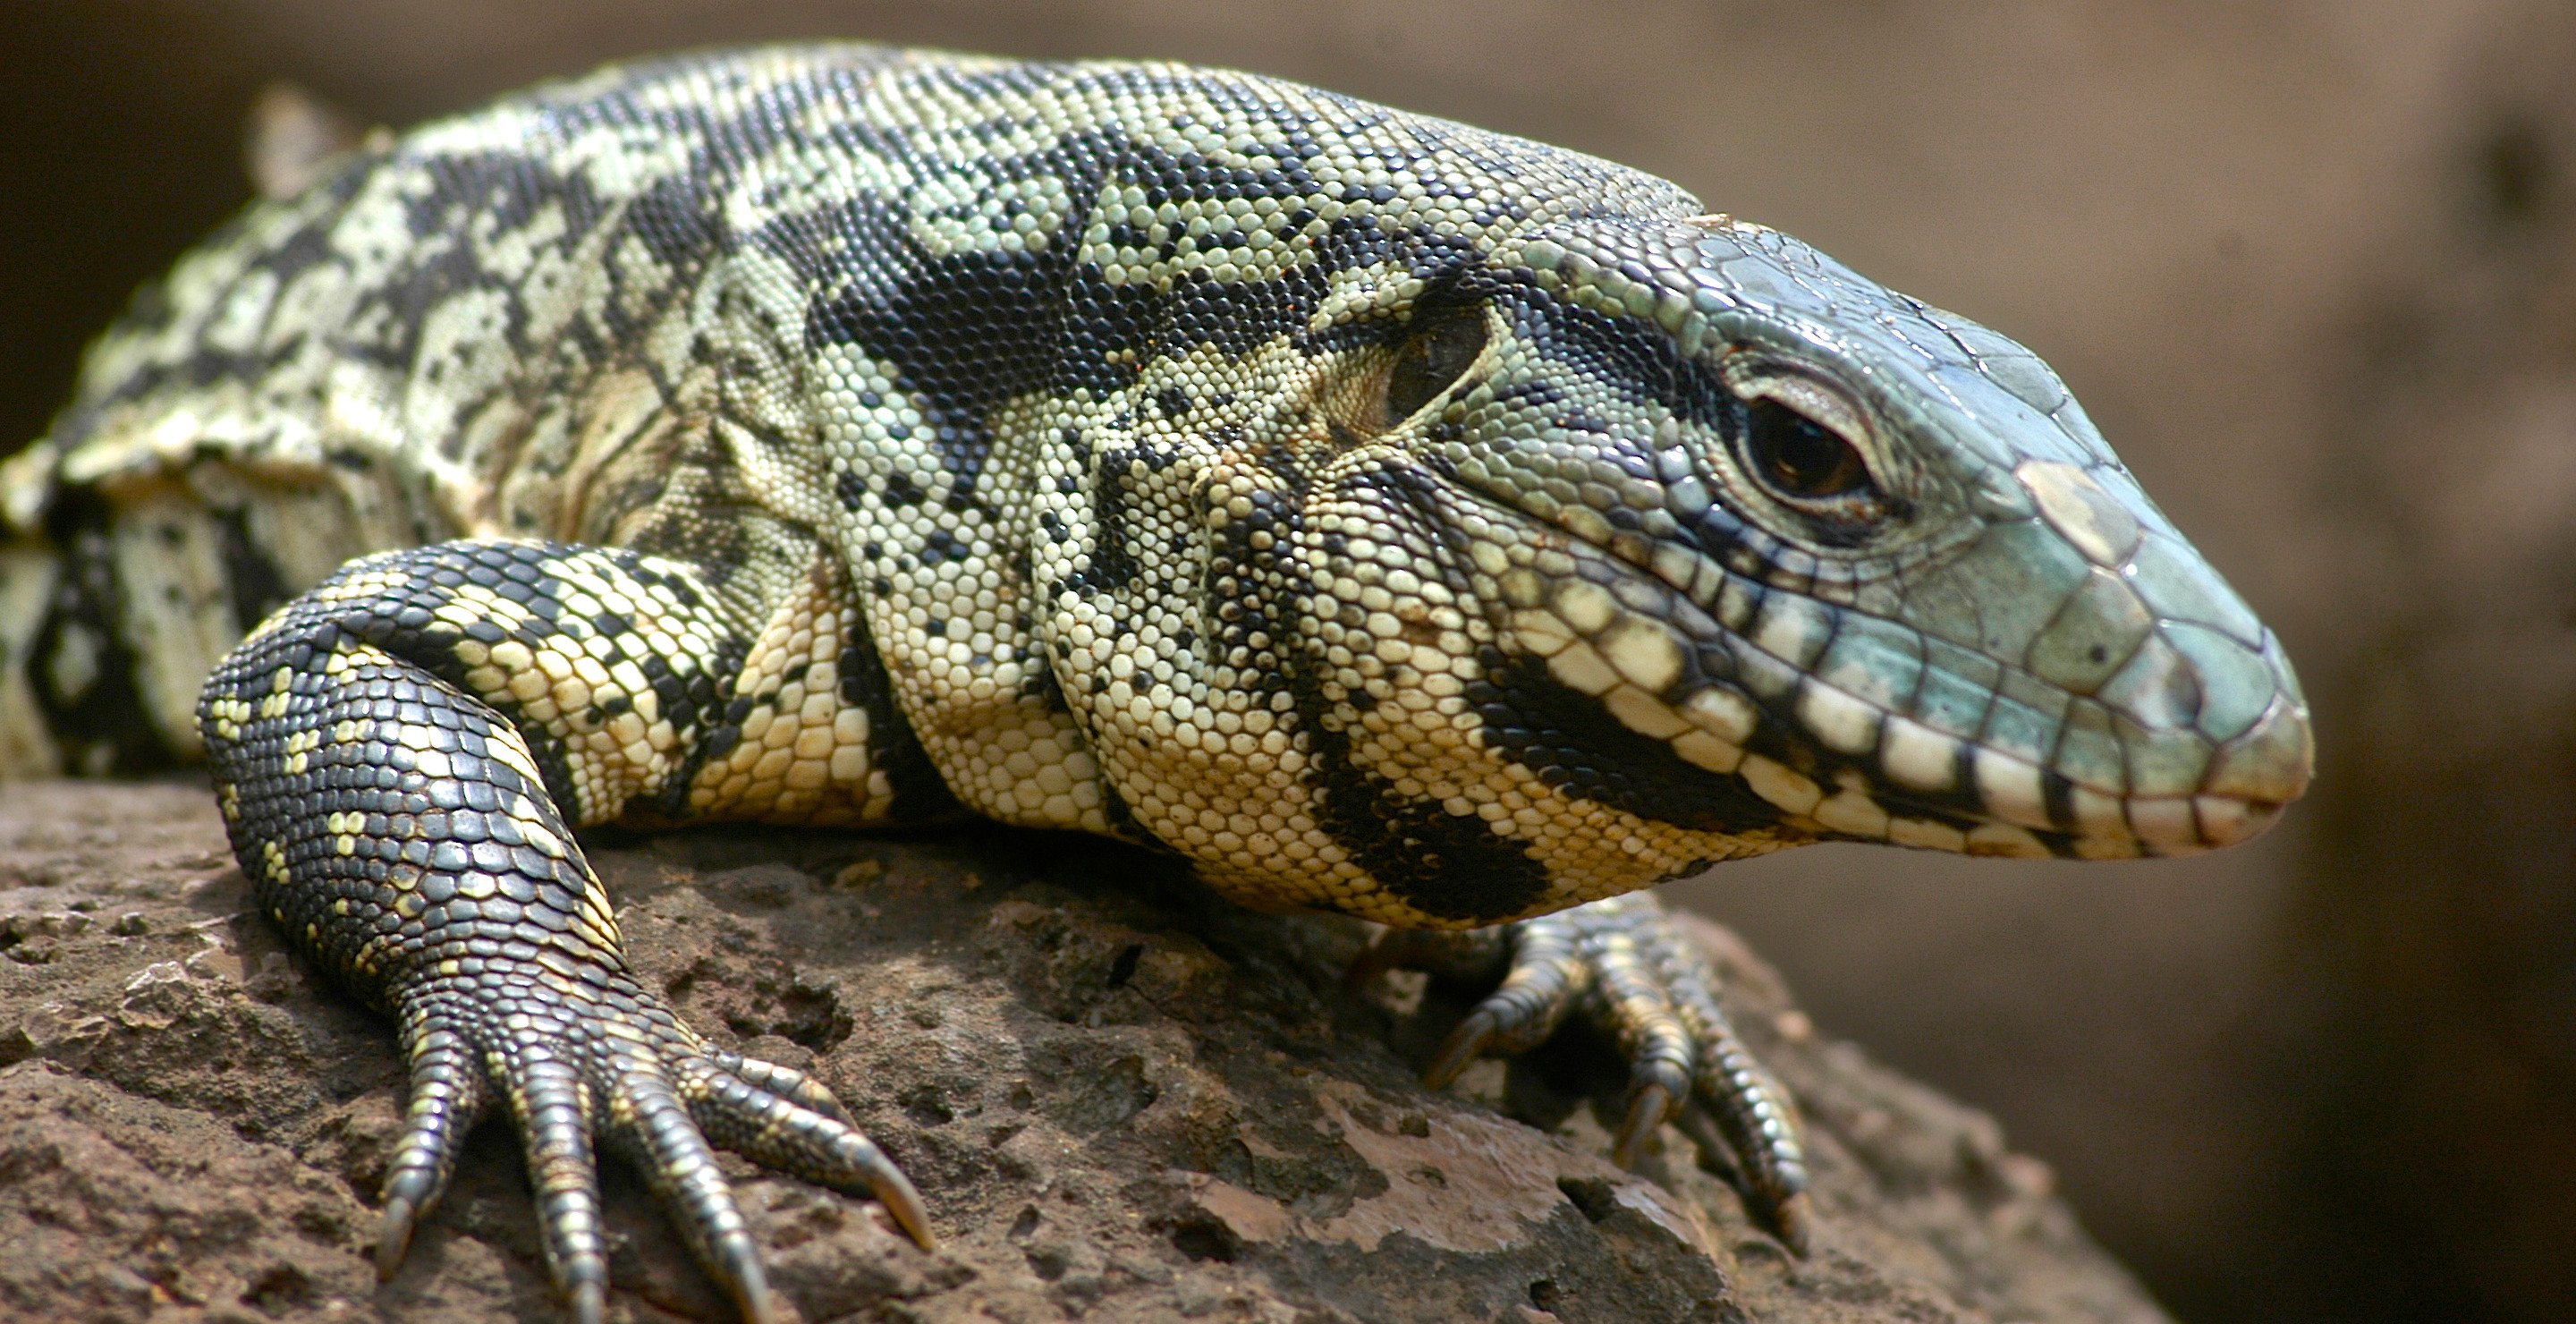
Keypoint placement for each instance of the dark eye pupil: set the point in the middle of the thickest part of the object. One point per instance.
(1799, 456)
(1431, 360)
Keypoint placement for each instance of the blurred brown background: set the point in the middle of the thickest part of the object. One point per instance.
(2310, 263)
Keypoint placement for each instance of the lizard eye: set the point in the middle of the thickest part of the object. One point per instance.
(1431, 359)
(1799, 457)
(1806, 444)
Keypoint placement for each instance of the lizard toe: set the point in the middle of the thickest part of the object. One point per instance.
(601, 1062)
(650, 1125)
(447, 1097)
(1643, 980)
(780, 1118)
(1545, 977)
(552, 1105)
(1747, 1113)
(1631, 1002)
(786, 1082)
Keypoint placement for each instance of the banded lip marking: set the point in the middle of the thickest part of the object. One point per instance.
(1650, 655)
(1680, 649)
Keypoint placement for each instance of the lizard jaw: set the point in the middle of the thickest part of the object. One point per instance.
(1747, 683)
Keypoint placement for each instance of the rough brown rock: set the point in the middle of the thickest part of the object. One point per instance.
(1124, 1100)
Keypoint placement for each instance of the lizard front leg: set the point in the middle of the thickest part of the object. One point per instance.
(1638, 976)
(401, 756)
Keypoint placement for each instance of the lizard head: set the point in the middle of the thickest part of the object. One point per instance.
(1769, 548)
(1444, 562)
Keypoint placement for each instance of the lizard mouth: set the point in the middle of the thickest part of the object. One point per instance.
(1857, 727)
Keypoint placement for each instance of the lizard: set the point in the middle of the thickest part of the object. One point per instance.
(1391, 517)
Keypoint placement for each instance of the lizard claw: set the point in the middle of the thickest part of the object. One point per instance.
(1461, 1049)
(1788, 1218)
(1638, 977)
(1649, 1107)
(393, 1240)
(777, 1117)
(576, 1060)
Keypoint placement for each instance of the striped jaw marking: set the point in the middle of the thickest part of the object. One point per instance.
(1868, 562)
(1856, 727)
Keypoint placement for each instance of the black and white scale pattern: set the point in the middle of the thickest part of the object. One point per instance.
(1393, 517)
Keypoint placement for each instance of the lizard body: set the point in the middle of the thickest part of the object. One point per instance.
(1392, 517)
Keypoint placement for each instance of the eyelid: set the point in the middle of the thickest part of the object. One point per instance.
(1820, 403)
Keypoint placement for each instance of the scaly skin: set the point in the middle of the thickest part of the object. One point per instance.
(1393, 517)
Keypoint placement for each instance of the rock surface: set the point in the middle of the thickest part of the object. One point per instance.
(1123, 1100)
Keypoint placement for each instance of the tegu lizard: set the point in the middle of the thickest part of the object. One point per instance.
(1392, 517)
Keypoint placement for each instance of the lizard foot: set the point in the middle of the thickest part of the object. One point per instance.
(1638, 976)
(598, 1056)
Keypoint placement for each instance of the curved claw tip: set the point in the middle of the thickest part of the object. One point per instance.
(1459, 1051)
(589, 1304)
(1791, 1221)
(1647, 1109)
(394, 1241)
(896, 1193)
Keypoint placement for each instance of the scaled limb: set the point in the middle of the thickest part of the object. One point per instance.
(1629, 968)
(401, 756)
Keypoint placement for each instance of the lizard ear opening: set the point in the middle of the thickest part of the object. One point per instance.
(1431, 360)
